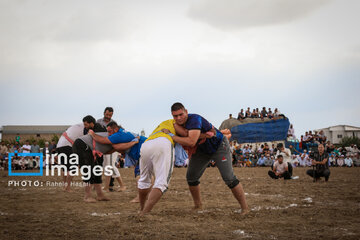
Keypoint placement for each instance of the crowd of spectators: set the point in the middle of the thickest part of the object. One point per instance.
(21, 162)
(31, 163)
(256, 113)
(260, 155)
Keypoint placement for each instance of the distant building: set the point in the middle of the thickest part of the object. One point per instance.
(47, 132)
(334, 134)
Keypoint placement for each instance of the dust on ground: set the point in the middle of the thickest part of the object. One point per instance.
(296, 209)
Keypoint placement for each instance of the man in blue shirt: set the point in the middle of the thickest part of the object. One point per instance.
(261, 161)
(216, 148)
(120, 138)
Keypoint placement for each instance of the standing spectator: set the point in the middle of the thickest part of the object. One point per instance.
(4, 150)
(34, 147)
(348, 161)
(52, 147)
(291, 132)
(46, 150)
(26, 148)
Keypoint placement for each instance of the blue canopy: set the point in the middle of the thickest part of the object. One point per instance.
(275, 130)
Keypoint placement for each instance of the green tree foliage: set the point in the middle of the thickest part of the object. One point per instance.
(347, 141)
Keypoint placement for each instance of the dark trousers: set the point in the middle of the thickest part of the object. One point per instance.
(285, 175)
(325, 173)
(86, 158)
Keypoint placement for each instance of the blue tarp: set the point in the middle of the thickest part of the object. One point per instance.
(275, 130)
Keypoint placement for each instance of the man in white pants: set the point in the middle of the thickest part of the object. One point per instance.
(157, 158)
(110, 160)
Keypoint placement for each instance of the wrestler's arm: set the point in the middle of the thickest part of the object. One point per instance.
(190, 140)
(98, 138)
(183, 132)
(120, 147)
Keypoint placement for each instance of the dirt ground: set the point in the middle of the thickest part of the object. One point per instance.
(296, 209)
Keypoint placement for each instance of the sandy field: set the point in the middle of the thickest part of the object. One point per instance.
(294, 209)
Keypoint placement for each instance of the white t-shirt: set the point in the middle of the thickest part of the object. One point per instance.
(74, 132)
(25, 147)
(280, 168)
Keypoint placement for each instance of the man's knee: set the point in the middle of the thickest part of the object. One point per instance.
(193, 183)
(233, 183)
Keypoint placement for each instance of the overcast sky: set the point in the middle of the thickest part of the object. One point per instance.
(62, 60)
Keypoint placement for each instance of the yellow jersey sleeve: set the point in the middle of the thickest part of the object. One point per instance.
(168, 124)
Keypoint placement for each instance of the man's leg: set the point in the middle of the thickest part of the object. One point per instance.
(326, 174)
(290, 169)
(146, 170)
(154, 197)
(88, 197)
(222, 158)
(106, 163)
(272, 175)
(197, 165)
(286, 175)
(162, 166)
(137, 177)
(68, 183)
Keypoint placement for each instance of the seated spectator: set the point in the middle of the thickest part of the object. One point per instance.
(294, 161)
(348, 161)
(270, 114)
(264, 112)
(302, 160)
(260, 150)
(248, 113)
(241, 115)
(269, 160)
(261, 161)
(356, 159)
(285, 152)
(320, 160)
(254, 114)
(246, 150)
(332, 160)
(266, 149)
(340, 161)
(322, 137)
(354, 149)
(280, 169)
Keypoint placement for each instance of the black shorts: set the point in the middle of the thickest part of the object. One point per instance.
(86, 158)
(67, 150)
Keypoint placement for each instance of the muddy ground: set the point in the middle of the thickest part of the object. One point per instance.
(295, 209)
